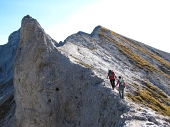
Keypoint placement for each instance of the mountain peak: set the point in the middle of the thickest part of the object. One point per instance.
(27, 16)
(96, 30)
(30, 28)
(27, 19)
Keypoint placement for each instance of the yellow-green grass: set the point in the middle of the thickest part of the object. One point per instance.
(84, 64)
(143, 50)
(152, 97)
(136, 45)
(141, 62)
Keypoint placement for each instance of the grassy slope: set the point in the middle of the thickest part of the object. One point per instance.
(149, 95)
(152, 97)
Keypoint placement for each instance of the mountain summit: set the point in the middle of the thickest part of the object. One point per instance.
(65, 84)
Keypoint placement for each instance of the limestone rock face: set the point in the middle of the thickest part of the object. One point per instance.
(52, 91)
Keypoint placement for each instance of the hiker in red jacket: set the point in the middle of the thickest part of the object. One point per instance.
(122, 85)
(112, 77)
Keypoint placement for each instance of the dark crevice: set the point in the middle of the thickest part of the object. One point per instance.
(57, 89)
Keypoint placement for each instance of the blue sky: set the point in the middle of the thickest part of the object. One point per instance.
(146, 21)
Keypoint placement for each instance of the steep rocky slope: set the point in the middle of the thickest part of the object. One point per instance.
(145, 69)
(7, 55)
(52, 91)
(65, 84)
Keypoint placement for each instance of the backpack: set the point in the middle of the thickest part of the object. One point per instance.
(121, 84)
(110, 73)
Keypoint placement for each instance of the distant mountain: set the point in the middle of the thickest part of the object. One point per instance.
(64, 84)
(7, 56)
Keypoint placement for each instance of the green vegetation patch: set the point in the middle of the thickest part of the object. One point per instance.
(152, 97)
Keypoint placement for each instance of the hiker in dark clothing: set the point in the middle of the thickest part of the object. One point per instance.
(111, 75)
(122, 85)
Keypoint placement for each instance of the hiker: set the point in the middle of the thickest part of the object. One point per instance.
(122, 85)
(111, 75)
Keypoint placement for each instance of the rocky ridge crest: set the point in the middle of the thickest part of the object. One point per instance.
(65, 84)
(52, 91)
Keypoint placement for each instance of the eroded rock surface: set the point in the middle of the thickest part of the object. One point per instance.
(51, 91)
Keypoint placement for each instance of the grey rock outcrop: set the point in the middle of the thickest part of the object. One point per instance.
(64, 84)
(51, 91)
(7, 103)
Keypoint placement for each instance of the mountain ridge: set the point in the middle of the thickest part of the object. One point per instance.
(98, 52)
(149, 73)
